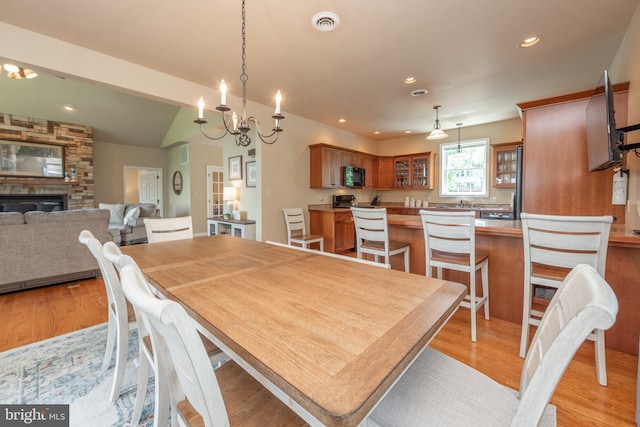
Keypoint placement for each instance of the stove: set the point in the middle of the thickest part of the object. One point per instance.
(343, 201)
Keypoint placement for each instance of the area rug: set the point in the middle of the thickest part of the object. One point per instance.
(67, 370)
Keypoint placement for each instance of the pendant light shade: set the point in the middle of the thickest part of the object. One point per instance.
(437, 133)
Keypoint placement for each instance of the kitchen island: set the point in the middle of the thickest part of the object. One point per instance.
(503, 240)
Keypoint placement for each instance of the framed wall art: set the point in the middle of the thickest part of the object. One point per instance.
(252, 178)
(30, 159)
(235, 168)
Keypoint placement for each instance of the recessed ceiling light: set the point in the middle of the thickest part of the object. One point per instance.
(530, 41)
(410, 80)
(69, 107)
(342, 120)
(408, 131)
(376, 132)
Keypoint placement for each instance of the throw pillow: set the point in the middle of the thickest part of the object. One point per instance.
(132, 214)
(116, 211)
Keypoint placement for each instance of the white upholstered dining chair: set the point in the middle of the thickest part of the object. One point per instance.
(226, 396)
(552, 246)
(166, 229)
(437, 390)
(372, 236)
(450, 243)
(297, 230)
(119, 318)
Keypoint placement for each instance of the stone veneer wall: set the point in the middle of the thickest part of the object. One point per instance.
(78, 152)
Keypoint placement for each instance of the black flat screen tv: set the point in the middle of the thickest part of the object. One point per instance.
(602, 139)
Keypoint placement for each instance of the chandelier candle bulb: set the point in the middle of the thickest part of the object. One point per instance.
(278, 99)
(201, 109)
(223, 93)
(235, 121)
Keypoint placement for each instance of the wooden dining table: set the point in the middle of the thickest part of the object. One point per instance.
(326, 335)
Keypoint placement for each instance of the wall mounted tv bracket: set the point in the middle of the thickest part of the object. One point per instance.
(627, 147)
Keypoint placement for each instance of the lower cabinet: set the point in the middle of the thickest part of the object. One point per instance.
(336, 226)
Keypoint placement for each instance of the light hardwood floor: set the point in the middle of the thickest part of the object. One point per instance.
(34, 315)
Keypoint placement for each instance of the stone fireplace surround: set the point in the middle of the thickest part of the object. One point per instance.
(78, 152)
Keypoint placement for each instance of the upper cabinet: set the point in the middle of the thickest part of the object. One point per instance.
(415, 171)
(327, 162)
(556, 178)
(386, 172)
(412, 171)
(504, 165)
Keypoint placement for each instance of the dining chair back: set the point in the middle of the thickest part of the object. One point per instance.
(118, 315)
(372, 236)
(166, 229)
(553, 245)
(237, 399)
(147, 357)
(297, 230)
(437, 390)
(450, 243)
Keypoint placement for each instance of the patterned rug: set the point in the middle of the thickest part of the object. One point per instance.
(67, 370)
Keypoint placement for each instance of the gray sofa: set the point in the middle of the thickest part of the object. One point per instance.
(126, 225)
(42, 248)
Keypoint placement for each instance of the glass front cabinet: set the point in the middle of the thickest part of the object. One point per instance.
(504, 165)
(415, 171)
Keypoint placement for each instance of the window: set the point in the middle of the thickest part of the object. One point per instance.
(465, 173)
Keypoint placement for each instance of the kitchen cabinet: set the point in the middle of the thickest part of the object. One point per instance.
(504, 165)
(411, 171)
(556, 178)
(326, 165)
(385, 172)
(415, 171)
(336, 226)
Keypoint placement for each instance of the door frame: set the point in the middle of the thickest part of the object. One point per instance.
(158, 171)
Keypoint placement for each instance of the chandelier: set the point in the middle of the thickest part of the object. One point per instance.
(437, 133)
(15, 72)
(240, 126)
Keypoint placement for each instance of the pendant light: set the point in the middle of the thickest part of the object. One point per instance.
(459, 154)
(437, 133)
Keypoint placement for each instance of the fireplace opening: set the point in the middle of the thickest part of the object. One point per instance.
(33, 202)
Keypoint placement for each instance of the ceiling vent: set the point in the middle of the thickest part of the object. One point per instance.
(325, 21)
(419, 92)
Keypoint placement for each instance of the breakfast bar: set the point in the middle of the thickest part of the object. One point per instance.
(503, 241)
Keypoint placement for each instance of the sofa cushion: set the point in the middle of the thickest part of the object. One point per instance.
(116, 211)
(131, 214)
(147, 209)
(11, 218)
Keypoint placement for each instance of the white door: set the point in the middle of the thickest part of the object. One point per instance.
(215, 185)
(149, 187)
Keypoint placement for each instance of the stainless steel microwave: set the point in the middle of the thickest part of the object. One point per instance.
(353, 177)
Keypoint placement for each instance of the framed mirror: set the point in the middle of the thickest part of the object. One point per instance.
(177, 182)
